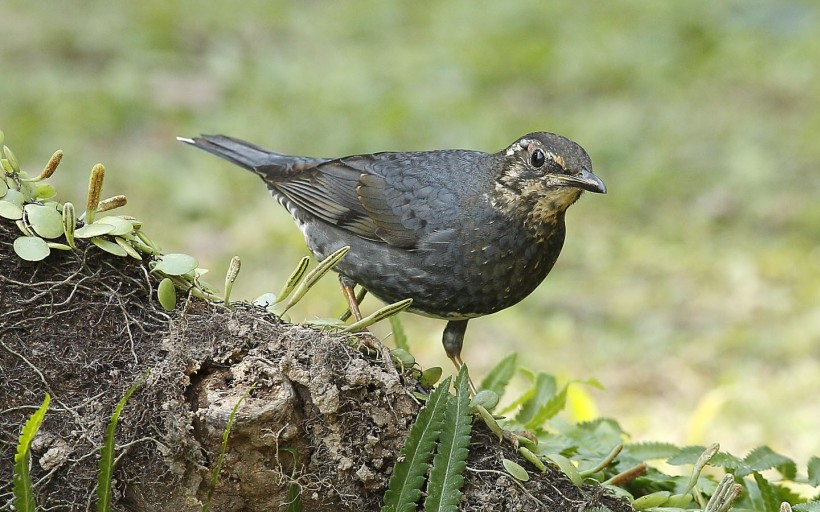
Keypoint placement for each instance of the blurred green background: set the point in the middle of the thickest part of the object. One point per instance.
(691, 290)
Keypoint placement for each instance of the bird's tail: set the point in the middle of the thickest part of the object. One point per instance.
(244, 154)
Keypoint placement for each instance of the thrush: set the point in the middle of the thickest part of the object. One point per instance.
(463, 233)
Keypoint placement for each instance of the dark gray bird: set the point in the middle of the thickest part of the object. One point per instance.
(462, 233)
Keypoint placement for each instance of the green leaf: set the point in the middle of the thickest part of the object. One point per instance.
(403, 356)
(515, 469)
(654, 499)
(430, 376)
(31, 248)
(15, 197)
(45, 220)
(812, 506)
(649, 451)
(485, 398)
(404, 487)
(763, 458)
(10, 210)
(500, 374)
(128, 248)
(399, 336)
(814, 471)
(294, 498)
(21, 481)
(4, 187)
(542, 390)
(92, 230)
(44, 190)
(109, 247)
(767, 493)
(450, 462)
(106, 464)
(292, 280)
(121, 226)
(175, 264)
(553, 406)
(567, 467)
(167, 294)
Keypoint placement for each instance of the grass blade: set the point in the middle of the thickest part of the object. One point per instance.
(224, 447)
(399, 335)
(499, 376)
(22, 487)
(293, 279)
(106, 464)
(450, 462)
(404, 487)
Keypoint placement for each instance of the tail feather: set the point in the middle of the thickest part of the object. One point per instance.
(244, 154)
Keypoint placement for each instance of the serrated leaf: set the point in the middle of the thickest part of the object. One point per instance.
(399, 336)
(106, 463)
(500, 374)
(450, 462)
(767, 493)
(21, 481)
(92, 230)
(553, 406)
(763, 458)
(31, 248)
(176, 264)
(542, 390)
(167, 294)
(649, 451)
(11, 211)
(109, 246)
(45, 220)
(812, 506)
(814, 471)
(404, 487)
(515, 469)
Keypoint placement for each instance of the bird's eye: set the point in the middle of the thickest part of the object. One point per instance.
(538, 158)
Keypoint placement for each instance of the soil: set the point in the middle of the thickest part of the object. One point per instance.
(320, 416)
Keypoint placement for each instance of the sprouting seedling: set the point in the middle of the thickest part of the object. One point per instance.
(111, 203)
(69, 223)
(50, 167)
(725, 494)
(387, 311)
(95, 183)
(230, 278)
(314, 275)
(293, 279)
(704, 459)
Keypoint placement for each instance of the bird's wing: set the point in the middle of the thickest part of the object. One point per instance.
(382, 197)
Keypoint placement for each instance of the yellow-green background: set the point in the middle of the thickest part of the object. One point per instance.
(691, 290)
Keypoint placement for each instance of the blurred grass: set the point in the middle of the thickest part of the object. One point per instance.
(692, 290)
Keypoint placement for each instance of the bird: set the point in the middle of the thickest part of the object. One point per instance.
(462, 233)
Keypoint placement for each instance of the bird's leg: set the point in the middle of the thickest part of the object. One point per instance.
(452, 340)
(370, 342)
(347, 285)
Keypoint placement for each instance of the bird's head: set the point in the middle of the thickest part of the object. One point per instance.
(540, 175)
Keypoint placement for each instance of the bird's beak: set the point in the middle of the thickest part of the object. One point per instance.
(584, 180)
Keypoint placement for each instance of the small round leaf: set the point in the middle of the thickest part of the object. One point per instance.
(4, 187)
(108, 246)
(167, 294)
(44, 190)
(176, 264)
(265, 300)
(45, 220)
(515, 470)
(430, 376)
(486, 398)
(403, 356)
(10, 210)
(15, 196)
(31, 248)
(92, 230)
(121, 226)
